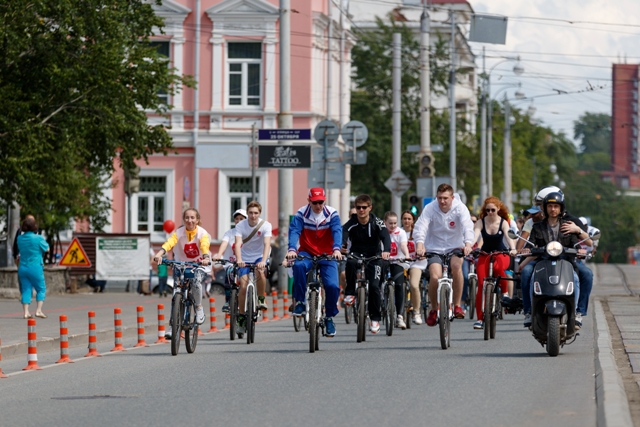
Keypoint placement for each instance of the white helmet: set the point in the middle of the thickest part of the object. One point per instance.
(543, 193)
(584, 220)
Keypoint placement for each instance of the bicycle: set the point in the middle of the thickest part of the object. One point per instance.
(492, 297)
(388, 306)
(424, 296)
(233, 299)
(472, 278)
(183, 307)
(362, 293)
(251, 311)
(445, 293)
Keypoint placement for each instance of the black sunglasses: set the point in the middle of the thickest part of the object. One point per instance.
(362, 207)
(319, 202)
(490, 210)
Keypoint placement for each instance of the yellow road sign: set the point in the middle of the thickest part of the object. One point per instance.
(75, 256)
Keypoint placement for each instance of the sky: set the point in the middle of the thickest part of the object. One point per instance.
(561, 56)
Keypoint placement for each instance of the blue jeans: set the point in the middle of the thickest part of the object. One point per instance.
(586, 283)
(526, 277)
(329, 275)
(465, 274)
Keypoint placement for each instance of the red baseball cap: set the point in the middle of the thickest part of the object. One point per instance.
(316, 194)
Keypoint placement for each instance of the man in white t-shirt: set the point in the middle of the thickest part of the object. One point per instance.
(226, 252)
(252, 245)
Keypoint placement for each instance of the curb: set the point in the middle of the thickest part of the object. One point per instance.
(611, 398)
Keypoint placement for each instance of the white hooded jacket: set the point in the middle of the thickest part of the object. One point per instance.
(442, 232)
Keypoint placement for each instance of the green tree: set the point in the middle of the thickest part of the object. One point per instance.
(76, 81)
(594, 132)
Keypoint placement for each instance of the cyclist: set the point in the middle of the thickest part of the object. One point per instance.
(399, 250)
(466, 267)
(226, 252)
(416, 268)
(369, 237)
(252, 245)
(316, 230)
(444, 225)
(190, 243)
(493, 225)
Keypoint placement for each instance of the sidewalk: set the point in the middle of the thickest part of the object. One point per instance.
(13, 328)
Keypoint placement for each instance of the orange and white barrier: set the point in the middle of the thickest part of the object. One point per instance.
(1, 374)
(32, 352)
(274, 298)
(117, 324)
(212, 315)
(161, 333)
(64, 341)
(286, 305)
(141, 342)
(92, 336)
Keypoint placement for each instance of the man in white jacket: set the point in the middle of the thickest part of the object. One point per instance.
(444, 225)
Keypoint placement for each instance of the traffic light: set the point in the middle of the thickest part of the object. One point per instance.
(414, 204)
(426, 165)
(132, 180)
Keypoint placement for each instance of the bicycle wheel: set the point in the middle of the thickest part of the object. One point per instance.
(354, 314)
(191, 334)
(176, 323)
(249, 319)
(473, 288)
(488, 303)
(390, 318)
(495, 303)
(313, 320)
(362, 312)
(444, 317)
(233, 314)
(347, 315)
(297, 321)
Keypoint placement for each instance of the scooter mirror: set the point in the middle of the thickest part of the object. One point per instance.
(512, 235)
(595, 236)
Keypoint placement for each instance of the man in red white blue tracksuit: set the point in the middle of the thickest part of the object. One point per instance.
(316, 230)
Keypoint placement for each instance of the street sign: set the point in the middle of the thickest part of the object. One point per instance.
(333, 154)
(335, 175)
(75, 256)
(435, 148)
(284, 156)
(427, 200)
(361, 157)
(355, 131)
(283, 134)
(326, 132)
(426, 187)
(398, 183)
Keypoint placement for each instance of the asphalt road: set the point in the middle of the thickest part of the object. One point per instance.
(404, 379)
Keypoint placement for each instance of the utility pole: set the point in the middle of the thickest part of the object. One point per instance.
(452, 102)
(285, 121)
(329, 61)
(483, 133)
(346, 191)
(489, 140)
(425, 84)
(507, 155)
(396, 198)
(253, 161)
(196, 107)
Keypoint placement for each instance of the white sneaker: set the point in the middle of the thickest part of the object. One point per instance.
(417, 319)
(199, 315)
(167, 333)
(400, 322)
(375, 327)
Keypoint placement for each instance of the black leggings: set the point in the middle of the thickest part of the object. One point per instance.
(373, 273)
(397, 275)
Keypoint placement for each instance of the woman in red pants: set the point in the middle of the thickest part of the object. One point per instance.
(493, 225)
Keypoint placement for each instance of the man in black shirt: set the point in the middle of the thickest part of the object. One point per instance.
(366, 232)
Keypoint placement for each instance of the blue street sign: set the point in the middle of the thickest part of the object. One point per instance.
(427, 200)
(283, 134)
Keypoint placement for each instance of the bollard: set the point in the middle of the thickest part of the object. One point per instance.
(117, 323)
(265, 317)
(286, 305)
(161, 338)
(64, 341)
(1, 374)
(92, 336)
(212, 315)
(32, 355)
(274, 296)
(141, 341)
(227, 321)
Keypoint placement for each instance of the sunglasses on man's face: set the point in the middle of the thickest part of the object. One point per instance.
(319, 202)
(362, 207)
(490, 210)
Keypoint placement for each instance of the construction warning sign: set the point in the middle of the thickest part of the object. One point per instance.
(75, 256)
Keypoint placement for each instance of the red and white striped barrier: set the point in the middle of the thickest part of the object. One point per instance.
(274, 297)
(212, 315)
(1, 374)
(117, 324)
(64, 341)
(227, 321)
(32, 353)
(141, 342)
(161, 333)
(286, 305)
(92, 336)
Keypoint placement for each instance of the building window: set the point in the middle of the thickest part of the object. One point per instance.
(240, 194)
(152, 203)
(244, 67)
(164, 49)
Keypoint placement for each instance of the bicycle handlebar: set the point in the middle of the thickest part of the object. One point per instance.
(183, 264)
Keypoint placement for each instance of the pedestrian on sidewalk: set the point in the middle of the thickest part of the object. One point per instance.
(31, 271)
(163, 276)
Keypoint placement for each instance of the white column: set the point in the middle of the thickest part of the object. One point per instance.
(177, 119)
(270, 76)
(217, 70)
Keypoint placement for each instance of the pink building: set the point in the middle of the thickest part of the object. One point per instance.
(238, 87)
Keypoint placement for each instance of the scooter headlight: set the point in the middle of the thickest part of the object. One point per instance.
(554, 248)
